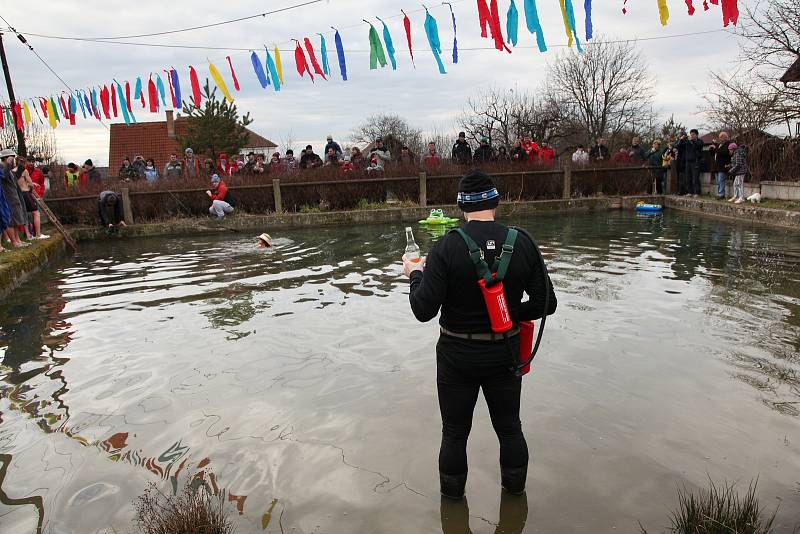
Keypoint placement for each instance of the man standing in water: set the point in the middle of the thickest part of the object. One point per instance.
(469, 356)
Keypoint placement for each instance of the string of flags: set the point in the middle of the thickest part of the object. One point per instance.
(111, 99)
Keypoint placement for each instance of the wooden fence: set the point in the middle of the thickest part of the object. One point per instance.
(299, 196)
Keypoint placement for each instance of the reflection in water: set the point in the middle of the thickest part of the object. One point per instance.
(36, 501)
(286, 371)
(513, 515)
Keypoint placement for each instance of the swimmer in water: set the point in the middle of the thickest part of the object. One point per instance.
(264, 241)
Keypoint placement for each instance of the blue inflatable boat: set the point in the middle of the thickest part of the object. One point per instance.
(649, 208)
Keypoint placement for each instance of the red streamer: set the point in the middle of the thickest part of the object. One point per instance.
(485, 16)
(2, 120)
(730, 12)
(128, 96)
(153, 95)
(18, 116)
(300, 62)
(407, 26)
(313, 58)
(105, 101)
(235, 81)
(171, 88)
(114, 100)
(490, 16)
(196, 94)
(690, 7)
(43, 105)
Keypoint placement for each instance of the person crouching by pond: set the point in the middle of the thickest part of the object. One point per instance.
(221, 202)
(469, 355)
(109, 205)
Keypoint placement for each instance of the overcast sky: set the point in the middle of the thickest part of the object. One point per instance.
(309, 111)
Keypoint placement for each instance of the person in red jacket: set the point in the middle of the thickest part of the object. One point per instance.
(225, 167)
(547, 155)
(621, 157)
(221, 202)
(37, 176)
(531, 149)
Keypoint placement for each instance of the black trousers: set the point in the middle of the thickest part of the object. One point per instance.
(462, 369)
(693, 177)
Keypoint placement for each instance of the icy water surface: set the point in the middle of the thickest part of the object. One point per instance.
(297, 382)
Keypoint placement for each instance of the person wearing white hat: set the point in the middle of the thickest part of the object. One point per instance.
(19, 217)
(264, 241)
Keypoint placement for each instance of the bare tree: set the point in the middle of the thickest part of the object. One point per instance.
(389, 126)
(40, 140)
(604, 91)
(753, 97)
(504, 115)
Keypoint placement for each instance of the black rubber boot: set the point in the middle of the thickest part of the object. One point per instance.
(513, 479)
(452, 486)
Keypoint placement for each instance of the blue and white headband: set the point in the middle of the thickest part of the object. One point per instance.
(471, 198)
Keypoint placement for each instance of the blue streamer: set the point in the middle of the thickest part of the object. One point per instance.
(73, 107)
(259, 70)
(512, 24)
(387, 38)
(123, 103)
(432, 31)
(80, 102)
(176, 86)
(138, 91)
(87, 103)
(571, 20)
(323, 51)
(160, 87)
(534, 26)
(95, 111)
(273, 72)
(455, 33)
(587, 6)
(340, 55)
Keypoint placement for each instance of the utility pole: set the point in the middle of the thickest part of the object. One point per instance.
(21, 149)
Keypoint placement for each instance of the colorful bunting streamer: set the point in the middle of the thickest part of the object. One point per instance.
(176, 82)
(105, 101)
(323, 52)
(219, 81)
(80, 103)
(569, 23)
(490, 16)
(730, 12)
(233, 73)
(171, 89)
(387, 39)
(161, 91)
(432, 32)
(123, 104)
(95, 109)
(663, 11)
(72, 109)
(300, 61)
(259, 70)
(197, 95)
(407, 27)
(587, 8)
(689, 7)
(340, 54)
(313, 57)
(455, 32)
(114, 100)
(273, 72)
(138, 94)
(376, 53)
(533, 24)
(278, 64)
(51, 113)
(152, 94)
(26, 113)
(512, 24)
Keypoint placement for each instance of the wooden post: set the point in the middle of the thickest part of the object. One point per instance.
(127, 209)
(423, 190)
(671, 180)
(567, 194)
(276, 190)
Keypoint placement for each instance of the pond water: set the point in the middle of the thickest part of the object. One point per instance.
(297, 382)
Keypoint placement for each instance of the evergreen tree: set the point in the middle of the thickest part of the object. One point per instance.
(215, 127)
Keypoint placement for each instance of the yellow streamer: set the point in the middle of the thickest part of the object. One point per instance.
(220, 82)
(663, 10)
(278, 64)
(26, 113)
(51, 114)
(566, 22)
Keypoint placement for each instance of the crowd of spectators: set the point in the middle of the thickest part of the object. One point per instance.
(22, 184)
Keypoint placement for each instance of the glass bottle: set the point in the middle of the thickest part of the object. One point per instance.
(412, 249)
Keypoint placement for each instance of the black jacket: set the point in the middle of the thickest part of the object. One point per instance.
(638, 154)
(484, 153)
(109, 214)
(722, 156)
(310, 161)
(692, 150)
(462, 153)
(449, 281)
(600, 151)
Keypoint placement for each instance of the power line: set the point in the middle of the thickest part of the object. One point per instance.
(192, 28)
(476, 48)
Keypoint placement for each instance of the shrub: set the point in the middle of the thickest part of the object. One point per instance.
(192, 511)
(720, 510)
